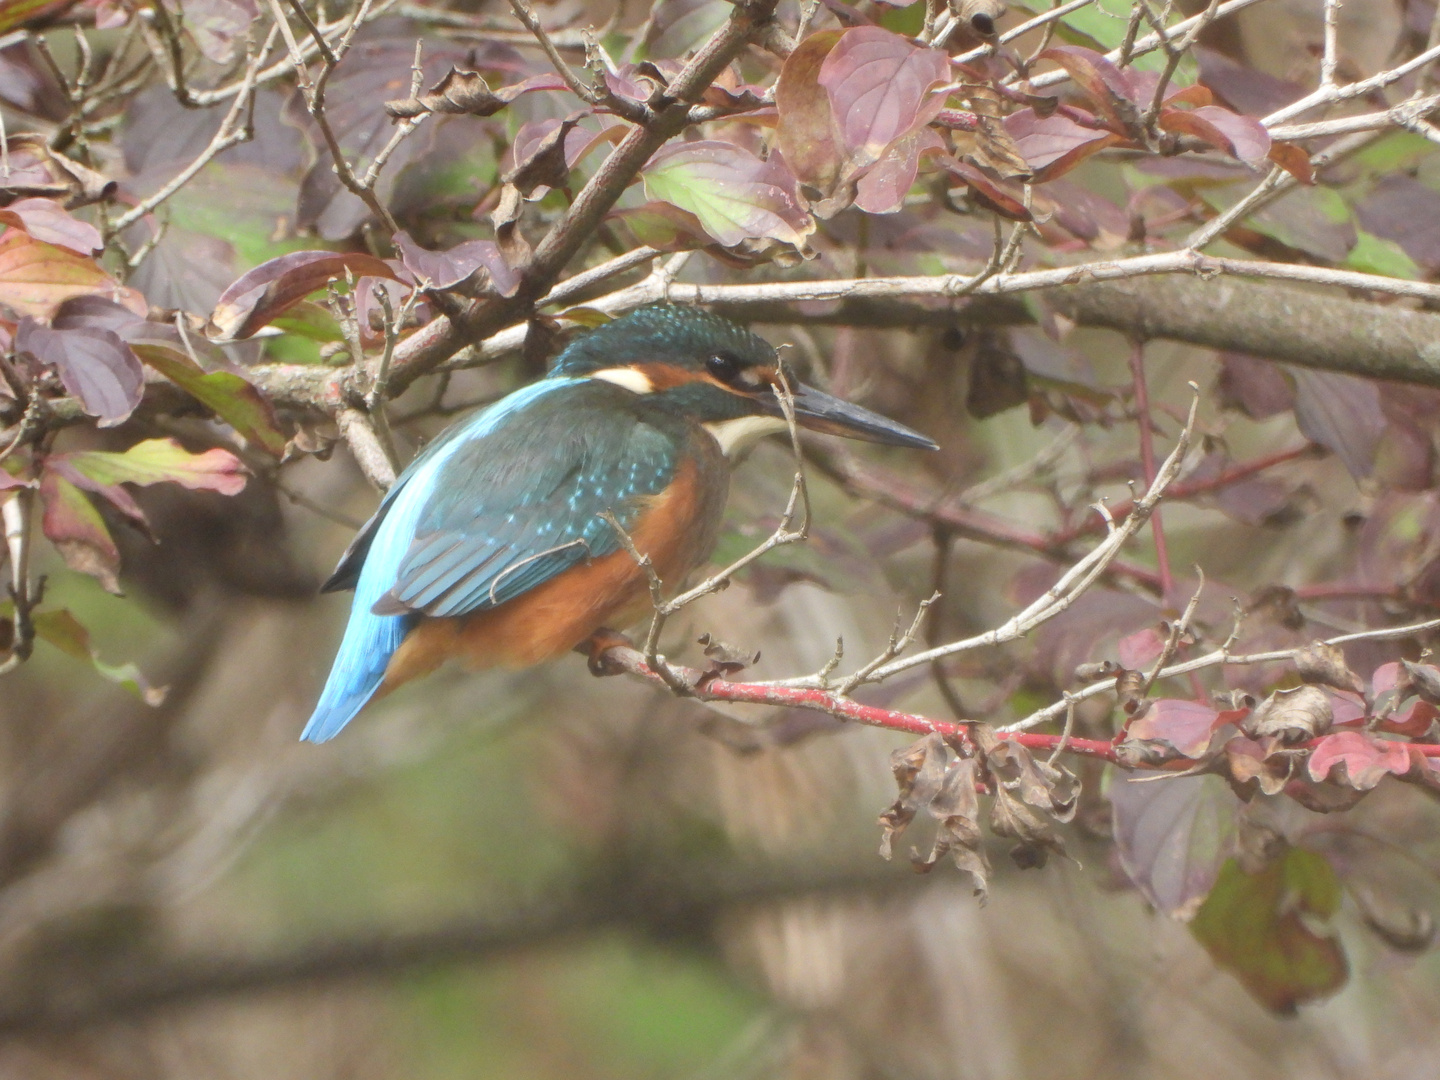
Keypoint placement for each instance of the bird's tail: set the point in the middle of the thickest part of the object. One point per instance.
(370, 640)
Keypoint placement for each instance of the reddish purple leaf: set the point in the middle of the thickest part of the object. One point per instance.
(94, 364)
(1137, 651)
(1184, 725)
(879, 85)
(1255, 386)
(47, 220)
(1341, 413)
(71, 522)
(1244, 87)
(806, 132)
(218, 25)
(273, 287)
(1055, 144)
(1172, 834)
(226, 392)
(1241, 137)
(1103, 84)
(1402, 209)
(883, 187)
(1362, 759)
(442, 269)
(1006, 199)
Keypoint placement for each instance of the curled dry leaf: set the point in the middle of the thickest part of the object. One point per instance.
(1323, 663)
(919, 770)
(462, 92)
(956, 810)
(1291, 716)
(988, 143)
(1095, 670)
(1246, 761)
(725, 659)
(1424, 680)
(273, 287)
(38, 171)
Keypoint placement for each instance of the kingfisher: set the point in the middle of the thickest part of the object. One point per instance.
(497, 546)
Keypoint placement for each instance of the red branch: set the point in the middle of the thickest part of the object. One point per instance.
(707, 686)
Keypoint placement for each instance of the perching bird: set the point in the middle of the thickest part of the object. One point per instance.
(490, 547)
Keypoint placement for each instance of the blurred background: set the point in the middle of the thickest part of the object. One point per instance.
(548, 875)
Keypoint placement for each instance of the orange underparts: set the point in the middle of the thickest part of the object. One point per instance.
(552, 618)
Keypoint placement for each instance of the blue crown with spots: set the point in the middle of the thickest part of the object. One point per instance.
(662, 333)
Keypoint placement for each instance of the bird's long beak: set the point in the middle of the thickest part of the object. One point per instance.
(819, 411)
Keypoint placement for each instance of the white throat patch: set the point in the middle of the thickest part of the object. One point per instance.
(632, 379)
(738, 435)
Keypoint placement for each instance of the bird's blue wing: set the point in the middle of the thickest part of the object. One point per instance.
(496, 506)
(373, 558)
(522, 504)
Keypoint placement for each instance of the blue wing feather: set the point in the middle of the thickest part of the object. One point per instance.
(370, 639)
(489, 511)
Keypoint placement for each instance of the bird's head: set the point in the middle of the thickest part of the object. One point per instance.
(717, 373)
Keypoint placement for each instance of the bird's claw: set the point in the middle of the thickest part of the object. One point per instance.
(597, 647)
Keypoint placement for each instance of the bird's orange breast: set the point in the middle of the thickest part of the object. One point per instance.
(675, 528)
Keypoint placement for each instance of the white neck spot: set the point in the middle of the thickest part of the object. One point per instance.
(737, 435)
(630, 378)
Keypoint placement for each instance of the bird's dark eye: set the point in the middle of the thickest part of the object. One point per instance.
(724, 368)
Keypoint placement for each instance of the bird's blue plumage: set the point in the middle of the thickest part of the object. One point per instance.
(370, 639)
(503, 504)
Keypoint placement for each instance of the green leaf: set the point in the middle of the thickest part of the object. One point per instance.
(17, 12)
(1372, 255)
(227, 394)
(66, 633)
(1102, 25)
(156, 461)
(736, 196)
(1261, 928)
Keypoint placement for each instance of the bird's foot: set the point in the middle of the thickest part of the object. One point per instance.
(597, 645)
